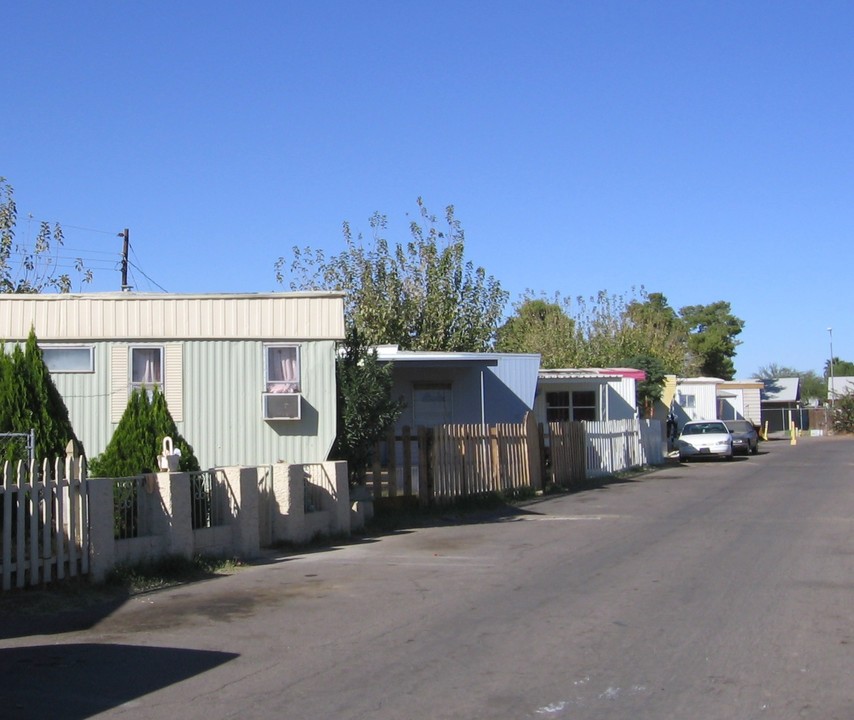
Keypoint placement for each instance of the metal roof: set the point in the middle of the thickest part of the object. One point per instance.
(392, 353)
(781, 390)
(603, 374)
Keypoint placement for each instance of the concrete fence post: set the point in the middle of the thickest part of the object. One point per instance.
(245, 520)
(102, 542)
(289, 497)
(176, 497)
(338, 501)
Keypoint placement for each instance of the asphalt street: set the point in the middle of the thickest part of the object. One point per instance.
(711, 590)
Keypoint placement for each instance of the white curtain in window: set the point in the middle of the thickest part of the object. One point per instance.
(146, 368)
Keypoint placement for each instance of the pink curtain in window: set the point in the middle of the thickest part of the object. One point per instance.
(282, 369)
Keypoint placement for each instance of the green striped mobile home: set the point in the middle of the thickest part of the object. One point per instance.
(249, 378)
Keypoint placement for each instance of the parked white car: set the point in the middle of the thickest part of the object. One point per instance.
(704, 438)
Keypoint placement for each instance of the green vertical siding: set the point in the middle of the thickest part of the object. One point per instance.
(222, 386)
(87, 397)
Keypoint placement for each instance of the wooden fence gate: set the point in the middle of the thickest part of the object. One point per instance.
(473, 459)
(568, 453)
(452, 461)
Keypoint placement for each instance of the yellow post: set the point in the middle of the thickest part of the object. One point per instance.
(765, 431)
(794, 430)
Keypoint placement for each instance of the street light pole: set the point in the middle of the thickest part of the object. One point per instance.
(832, 389)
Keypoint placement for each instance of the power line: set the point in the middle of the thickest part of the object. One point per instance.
(147, 277)
(69, 260)
(76, 227)
(98, 252)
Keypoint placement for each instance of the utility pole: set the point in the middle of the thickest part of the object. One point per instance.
(126, 242)
(832, 392)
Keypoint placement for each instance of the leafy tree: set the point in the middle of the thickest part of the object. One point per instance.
(29, 400)
(597, 331)
(711, 340)
(366, 409)
(662, 333)
(842, 417)
(773, 371)
(604, 329)
(611, 327)
(649, 390)
(31, 269)
(419, 295)
(841, 368)
(543, 327)
(138, 439)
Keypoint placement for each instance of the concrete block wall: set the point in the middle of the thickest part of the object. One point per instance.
(168, 514)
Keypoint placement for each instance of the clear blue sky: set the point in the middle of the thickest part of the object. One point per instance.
(700, 149)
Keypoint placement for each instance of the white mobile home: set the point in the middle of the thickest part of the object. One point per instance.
(592, 394)
(740, 400)
(249, 378)
(696, 399)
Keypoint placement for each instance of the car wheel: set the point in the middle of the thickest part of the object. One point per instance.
(754, 450)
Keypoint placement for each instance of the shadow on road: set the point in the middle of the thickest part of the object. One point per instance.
(72, 607)
(78, 681)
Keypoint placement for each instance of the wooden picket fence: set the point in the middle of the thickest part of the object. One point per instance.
(568, 454)
(473, 459)
(441, 464)
(44, 526)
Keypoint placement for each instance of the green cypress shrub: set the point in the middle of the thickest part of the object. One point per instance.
(50, 415)
(29, 400)
(138, 439)
(164, 426)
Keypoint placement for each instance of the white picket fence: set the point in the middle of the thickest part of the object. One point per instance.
(44, 534)
(617, 445)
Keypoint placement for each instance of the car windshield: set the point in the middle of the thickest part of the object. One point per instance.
(704, 428)
(738, 426)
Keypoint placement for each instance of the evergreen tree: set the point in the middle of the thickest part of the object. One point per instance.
(165, 426)
(138, 439)
(50, 416)
(649, 390)
(29, 400)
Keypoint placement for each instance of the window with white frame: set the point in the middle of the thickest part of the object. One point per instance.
(68, 358)
(687, 401)
(146, 367)
(282, 369)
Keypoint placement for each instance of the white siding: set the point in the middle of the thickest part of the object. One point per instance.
(705, 398)
(119, 384)
(752, 405)
(173, 380)
(110, 316)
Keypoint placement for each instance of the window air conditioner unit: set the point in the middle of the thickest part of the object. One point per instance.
(282, 406)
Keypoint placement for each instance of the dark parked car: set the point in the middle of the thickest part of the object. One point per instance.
(745, 439)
